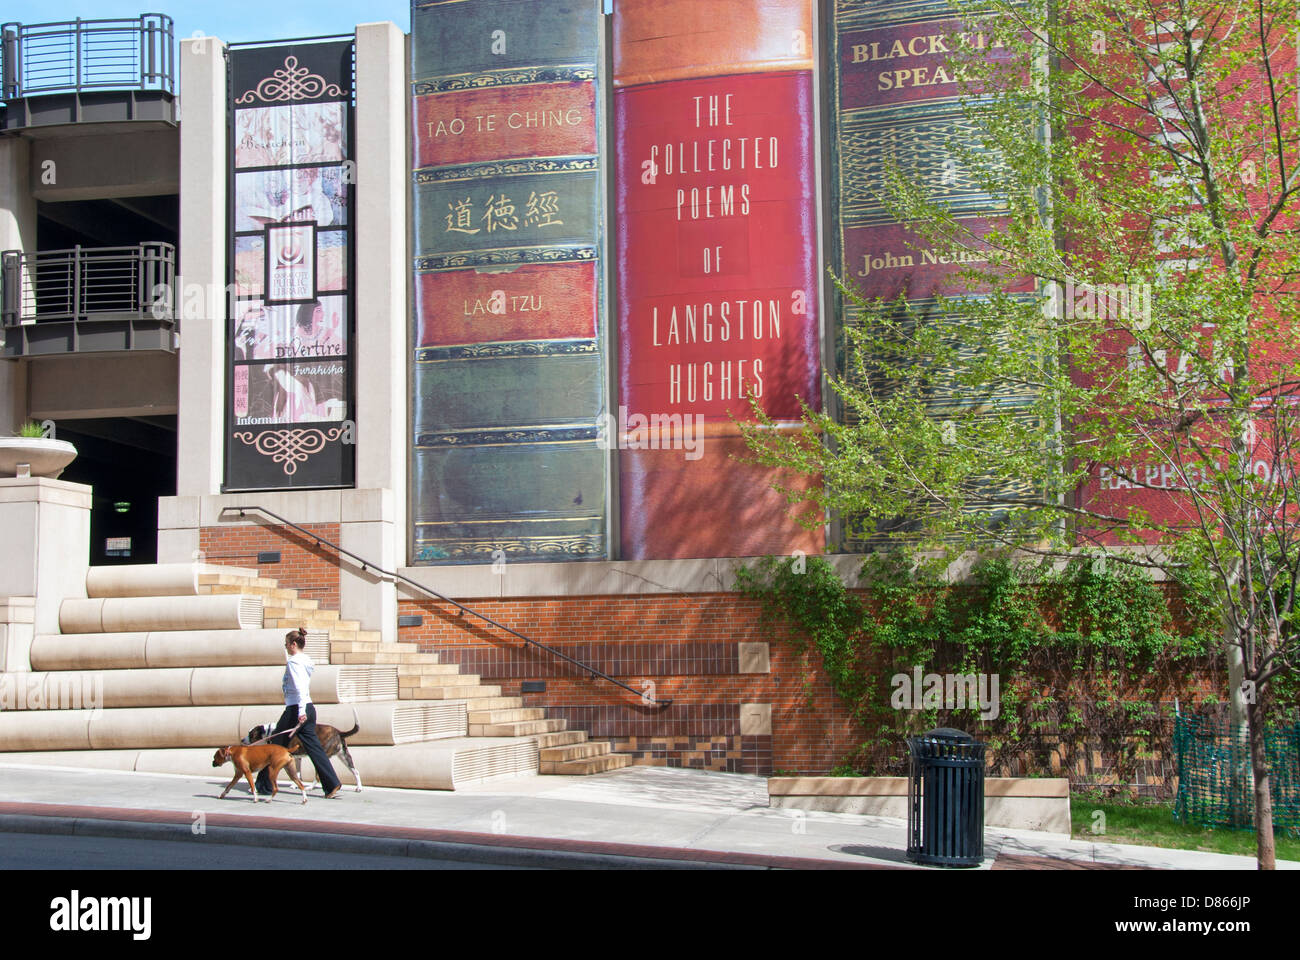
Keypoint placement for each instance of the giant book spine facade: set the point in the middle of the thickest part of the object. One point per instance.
(716, 271)
(894, 97)
(508, 383)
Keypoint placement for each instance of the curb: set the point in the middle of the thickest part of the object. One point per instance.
(377, 840)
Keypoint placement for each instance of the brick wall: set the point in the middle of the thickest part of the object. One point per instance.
(303, 566)
(683, 644)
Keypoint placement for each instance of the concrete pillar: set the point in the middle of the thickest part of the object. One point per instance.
(375, 524)
(201, 418)
(383, 266)
(45, 550)
(17, 232)
(17, 205)
(13, 396)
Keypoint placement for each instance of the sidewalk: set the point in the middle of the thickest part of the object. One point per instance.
(661, 815)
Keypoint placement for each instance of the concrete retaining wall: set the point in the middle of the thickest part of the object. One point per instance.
(1016, 802)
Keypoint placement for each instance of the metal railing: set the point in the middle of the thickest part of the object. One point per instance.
(77, 55)
(83, 282)
(366, 565)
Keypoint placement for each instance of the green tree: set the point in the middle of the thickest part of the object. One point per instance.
(1122, 373)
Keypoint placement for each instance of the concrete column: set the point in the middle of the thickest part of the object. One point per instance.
(13, 396)
(17, 205)
(383, 266)
(45, 550)
(381, 344)
(17, 232)
(201, 419)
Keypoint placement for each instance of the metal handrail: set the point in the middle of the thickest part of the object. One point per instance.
(76, 55)
(82, 282)
(367, 565)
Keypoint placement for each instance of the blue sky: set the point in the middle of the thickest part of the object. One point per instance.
(234, 21)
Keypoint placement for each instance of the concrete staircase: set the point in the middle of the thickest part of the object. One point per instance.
(174, 657)
(421, 677)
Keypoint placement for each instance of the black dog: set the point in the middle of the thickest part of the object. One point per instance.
(333, 741)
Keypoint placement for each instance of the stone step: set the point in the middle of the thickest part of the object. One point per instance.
(507, 716)
(560, 738)
(441, 764)
(442, 673)
(431, 669)
(188, 686)
(357, 646)
(267, 593)
(435, 680)
(153, 579)
(451, 693)
(405, 659)
(586, 766)
(522, 728)
(235, 579)
(165, 613)
(382, 723)
(414, 671)
(367, 638)
(308, 607)
(575, 751)
(167, 648)
(313, 622)
(473, 704)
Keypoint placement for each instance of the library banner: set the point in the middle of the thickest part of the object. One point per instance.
(508, 369)
(289, 411)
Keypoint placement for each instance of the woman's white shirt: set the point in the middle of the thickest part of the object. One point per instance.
(297, 679)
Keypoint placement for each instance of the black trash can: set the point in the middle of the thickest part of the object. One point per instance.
(945, 799)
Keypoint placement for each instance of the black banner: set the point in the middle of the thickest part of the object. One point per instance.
(290, 373)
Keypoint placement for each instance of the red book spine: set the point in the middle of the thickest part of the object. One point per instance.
(717, 273)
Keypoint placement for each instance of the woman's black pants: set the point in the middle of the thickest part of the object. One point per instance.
(325, 774)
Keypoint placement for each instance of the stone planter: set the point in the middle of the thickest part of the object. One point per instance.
(47, 458)
(1022, 803)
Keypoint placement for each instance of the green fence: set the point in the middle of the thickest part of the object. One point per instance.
(1215, 787)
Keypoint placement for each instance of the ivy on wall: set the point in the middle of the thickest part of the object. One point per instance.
(1084, 653)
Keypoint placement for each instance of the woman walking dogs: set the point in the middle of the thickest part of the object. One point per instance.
(298, 709)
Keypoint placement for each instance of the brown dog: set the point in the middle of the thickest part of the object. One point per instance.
(251, 760)
(333, 741)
